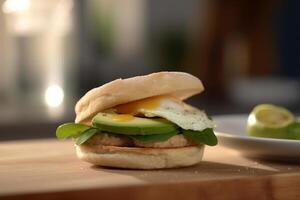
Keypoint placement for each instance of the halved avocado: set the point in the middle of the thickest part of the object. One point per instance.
(134, 126)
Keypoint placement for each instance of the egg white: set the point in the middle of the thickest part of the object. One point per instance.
(180, 113)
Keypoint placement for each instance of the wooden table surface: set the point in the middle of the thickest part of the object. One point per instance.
(49, 169)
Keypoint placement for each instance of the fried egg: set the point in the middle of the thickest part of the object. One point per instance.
(170, 108)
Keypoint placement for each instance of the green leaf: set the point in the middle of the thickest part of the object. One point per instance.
(70, 130)
(294, 131)
(87, 134)
(206, 136)
(154, 137)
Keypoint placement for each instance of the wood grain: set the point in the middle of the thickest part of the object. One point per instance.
(49, 169)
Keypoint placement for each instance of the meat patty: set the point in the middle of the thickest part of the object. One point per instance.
(125, 141)
(110, 140)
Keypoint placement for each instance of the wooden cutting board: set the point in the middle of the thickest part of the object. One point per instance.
(49, 169)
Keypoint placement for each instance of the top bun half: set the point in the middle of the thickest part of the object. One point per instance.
(179, 84)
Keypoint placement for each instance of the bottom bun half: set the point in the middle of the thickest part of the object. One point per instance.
(140, 158)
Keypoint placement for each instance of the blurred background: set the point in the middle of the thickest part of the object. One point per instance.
(51, 52)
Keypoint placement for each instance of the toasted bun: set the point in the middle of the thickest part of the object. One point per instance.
(140, 158)
(179, 84)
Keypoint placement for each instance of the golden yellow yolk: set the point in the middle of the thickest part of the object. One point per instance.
(148, 103)
(122, 117)
(133, 107)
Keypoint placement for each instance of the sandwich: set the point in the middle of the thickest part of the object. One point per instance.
(141, 123)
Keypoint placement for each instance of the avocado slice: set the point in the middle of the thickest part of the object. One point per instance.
(134, 126)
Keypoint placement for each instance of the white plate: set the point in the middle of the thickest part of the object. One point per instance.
(231, 132)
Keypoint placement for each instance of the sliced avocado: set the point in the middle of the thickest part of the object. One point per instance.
(134, 126)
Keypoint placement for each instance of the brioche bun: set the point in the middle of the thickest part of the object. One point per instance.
(140, 158)
(179, 84)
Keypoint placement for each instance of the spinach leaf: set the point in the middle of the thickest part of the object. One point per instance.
(154, 137)
(206, 136)
(70, 130)
(87, 134)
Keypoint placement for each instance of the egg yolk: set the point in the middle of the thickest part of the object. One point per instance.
(150, 103)
(133, 107)
(122, 117)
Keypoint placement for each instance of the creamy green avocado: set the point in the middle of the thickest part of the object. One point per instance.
(134, 126)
